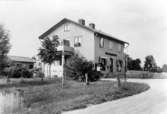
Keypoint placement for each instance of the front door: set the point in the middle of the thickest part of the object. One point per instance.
(111, 65)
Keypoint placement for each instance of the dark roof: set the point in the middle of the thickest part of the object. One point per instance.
(21, 59)
(83, 26)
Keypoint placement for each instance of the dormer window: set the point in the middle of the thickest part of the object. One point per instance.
(66, 28)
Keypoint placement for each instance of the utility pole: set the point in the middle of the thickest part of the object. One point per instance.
(62, 64)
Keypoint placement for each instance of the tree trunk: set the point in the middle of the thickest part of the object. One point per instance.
(86, 79)
(50, 70)
(118, 80)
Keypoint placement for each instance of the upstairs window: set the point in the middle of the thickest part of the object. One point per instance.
(77, 41)
(101, 43)
(66, 28)
(111, 45)
(66, 43)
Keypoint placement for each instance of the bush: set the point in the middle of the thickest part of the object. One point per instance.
(94, 75)
(78, 66)
(17, 72)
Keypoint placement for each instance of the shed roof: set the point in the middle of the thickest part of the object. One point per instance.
(21, 59)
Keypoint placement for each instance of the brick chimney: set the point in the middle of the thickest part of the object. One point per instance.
(92, 25)
(81, 21)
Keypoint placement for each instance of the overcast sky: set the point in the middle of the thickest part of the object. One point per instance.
(142, 23)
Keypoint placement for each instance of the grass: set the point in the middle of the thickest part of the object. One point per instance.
(49, 98)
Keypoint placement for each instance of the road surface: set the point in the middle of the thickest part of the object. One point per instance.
(153, 101)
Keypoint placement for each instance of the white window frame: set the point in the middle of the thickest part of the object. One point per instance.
(77, 41)
(66, 28)
(101, 42)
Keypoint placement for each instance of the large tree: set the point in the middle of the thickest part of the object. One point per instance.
(4, 48)
(133, 64)
(164, 68)
(149, 63)
(47, 52)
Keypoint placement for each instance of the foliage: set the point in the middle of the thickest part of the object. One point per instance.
(78, 66)
(19, 71)
(94, 75)
(47, 53)
(48, 50)
(4, 48)
(149, 63)
(164, 68)
(133, 64)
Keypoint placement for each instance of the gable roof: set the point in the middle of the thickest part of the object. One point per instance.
(83, 26)
(21, 59)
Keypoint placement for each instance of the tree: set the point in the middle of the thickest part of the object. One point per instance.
(4, 48)
(133, 64)
(149, 63)
(47, 53)
(78, 68)
(164, 68)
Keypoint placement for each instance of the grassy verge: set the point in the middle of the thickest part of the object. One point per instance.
(49, 97)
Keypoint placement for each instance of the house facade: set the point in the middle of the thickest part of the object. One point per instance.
(104, 50)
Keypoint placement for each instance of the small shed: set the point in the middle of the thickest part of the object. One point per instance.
(22, 61)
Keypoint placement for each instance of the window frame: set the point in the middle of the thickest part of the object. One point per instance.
(101, 42)
(66, 28)
(77, 41)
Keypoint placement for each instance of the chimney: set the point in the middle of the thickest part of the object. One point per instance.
(81, 21)
(92, 25)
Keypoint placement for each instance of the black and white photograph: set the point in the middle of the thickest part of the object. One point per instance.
(83, 57)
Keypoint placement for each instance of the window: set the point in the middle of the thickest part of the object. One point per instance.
(101, 44)
(30, 66)
(77, 41)
(66, 28)
(110, 45)
(103, 63)
(66, 43)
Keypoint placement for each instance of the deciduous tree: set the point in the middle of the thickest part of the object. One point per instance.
(149, 63)
(47, 52)
(4, 48)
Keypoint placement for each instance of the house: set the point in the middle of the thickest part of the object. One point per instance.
(22, 61)
(106, 51)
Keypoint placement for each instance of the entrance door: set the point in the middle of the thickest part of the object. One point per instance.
(111, 65)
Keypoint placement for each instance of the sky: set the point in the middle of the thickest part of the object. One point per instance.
(142, 23)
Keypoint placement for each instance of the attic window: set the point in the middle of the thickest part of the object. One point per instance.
(66, 28)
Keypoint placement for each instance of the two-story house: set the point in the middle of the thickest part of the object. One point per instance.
(104, 50)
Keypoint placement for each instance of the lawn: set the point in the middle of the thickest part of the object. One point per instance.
(48, 97)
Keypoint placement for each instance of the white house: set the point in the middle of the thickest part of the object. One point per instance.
(97, 46)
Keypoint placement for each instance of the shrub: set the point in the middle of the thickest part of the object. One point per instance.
(94, 75)
(76, 68)
(17, 72)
